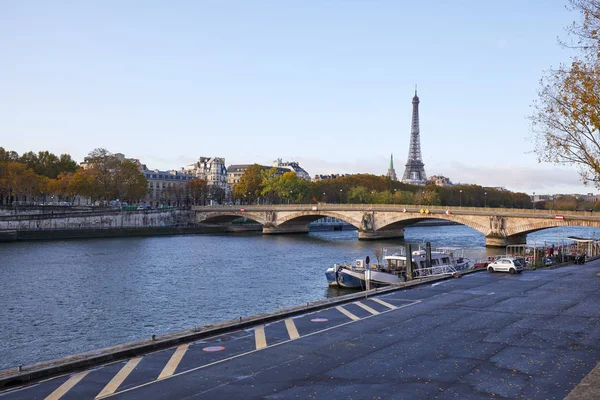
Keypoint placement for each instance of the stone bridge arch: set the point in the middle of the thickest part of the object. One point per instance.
(226, 217)
(306, 217)
(530, 225)
(408, 219)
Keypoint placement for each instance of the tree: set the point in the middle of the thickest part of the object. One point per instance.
(18, 180)
(103, 165)
(249, 187)
(83, 183)
(130, 182)
(292, 187)
(198, 191)
(566, 118)
(360, 195)
(217, 193)
(6, 155)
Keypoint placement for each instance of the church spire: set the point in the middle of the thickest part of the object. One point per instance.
(391, 171)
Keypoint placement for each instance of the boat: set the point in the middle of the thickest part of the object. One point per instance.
(393, 271)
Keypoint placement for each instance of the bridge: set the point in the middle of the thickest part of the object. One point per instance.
(501, 226)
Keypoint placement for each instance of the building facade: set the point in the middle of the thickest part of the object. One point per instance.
(210, 169)
(167, 188)
(439, 180)
(292, 166)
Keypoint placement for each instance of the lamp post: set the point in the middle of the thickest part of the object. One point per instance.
(485, 199)
(533, 201)
(460, 197)
(341, 190)
(323, 197)
(290, 197)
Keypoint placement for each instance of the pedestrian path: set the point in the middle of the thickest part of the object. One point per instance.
(110, 379)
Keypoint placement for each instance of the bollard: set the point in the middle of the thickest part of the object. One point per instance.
(153, 338)
(240, 319)
(19, 368)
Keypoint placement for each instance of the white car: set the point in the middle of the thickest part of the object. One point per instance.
(505, 265)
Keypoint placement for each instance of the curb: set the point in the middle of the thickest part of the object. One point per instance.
(21, 375)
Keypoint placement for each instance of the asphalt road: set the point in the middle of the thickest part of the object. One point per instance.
(534, 335)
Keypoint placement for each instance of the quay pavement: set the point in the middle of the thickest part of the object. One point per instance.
(534, 335)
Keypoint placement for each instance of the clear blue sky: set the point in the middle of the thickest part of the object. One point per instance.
(325, 82)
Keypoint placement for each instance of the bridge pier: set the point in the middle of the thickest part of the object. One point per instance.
(382, 234)
(503, 241)
(281, 230)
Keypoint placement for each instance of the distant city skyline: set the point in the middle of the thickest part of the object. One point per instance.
(250, 83)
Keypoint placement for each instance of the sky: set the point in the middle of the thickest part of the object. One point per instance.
(327, 83)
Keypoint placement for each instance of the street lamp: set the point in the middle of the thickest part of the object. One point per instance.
(533, 201)
(290, 197)
(323, 197)
(485, 200)
(460, 197)
(341, 190)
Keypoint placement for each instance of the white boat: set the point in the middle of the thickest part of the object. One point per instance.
(443, 262)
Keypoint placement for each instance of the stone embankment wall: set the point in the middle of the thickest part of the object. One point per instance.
(28, 210)
(104, 219)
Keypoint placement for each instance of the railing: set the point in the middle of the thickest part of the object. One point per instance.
(395, 207)
(434, 271)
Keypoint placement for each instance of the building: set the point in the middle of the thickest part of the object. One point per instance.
(391, 171)
(415, 169)
(167, 188)
(210, 169)
(439, 180)
(292, 166)
(330, 176)
(120, 157)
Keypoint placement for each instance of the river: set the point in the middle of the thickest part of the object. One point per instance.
(58, 298)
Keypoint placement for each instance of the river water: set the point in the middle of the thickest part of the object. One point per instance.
(58, 298)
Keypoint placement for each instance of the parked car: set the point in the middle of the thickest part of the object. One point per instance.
(506, 265)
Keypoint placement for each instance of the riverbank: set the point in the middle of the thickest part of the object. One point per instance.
(61, 234)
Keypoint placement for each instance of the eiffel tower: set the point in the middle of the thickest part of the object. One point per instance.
(415, 169)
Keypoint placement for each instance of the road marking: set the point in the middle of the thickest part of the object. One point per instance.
(65, 387)
(169, 369)
(116, 381)
(259, 337)
(254, 351)
(347, 313)
(291, 328)
(366, 307)
(384, 303)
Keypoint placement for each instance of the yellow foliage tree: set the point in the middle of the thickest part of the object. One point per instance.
(566, 118)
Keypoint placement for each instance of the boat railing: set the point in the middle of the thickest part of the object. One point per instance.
(438, 270)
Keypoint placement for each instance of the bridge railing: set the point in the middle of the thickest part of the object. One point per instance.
(392, 207)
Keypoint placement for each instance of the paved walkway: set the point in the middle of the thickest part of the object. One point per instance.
(535, 335)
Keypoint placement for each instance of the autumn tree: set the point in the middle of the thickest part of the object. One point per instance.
(103, 165)
(83, 183)
(566, 117)
(18, 180)
(197, 190)
(249, 187)
(130, 182)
